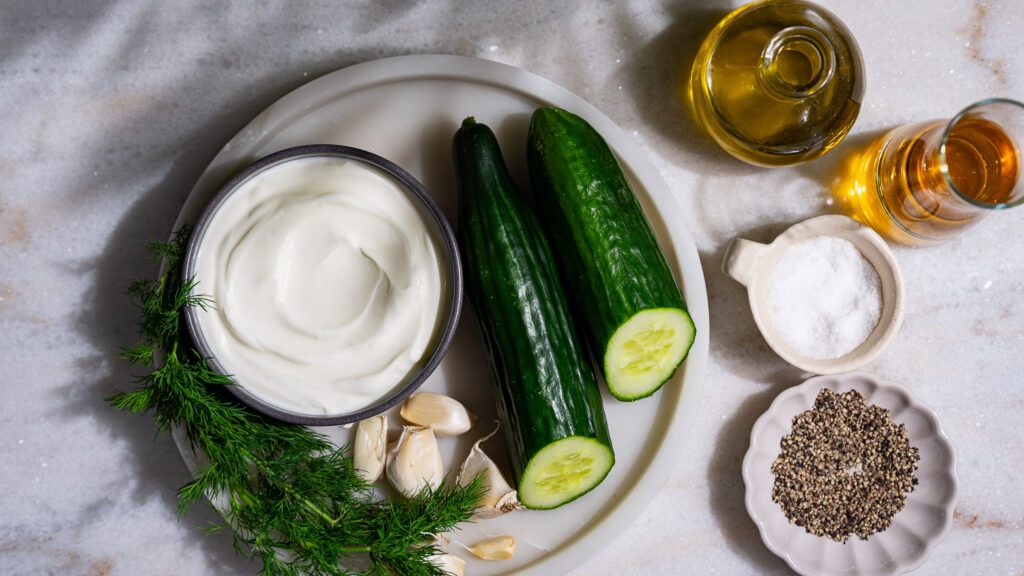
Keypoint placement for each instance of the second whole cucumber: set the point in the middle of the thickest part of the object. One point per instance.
(631, 307)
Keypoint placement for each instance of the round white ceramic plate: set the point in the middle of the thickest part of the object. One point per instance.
(407, 109)
(915, 529)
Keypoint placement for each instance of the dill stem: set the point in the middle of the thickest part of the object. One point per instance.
(354, 549)
(309, 504)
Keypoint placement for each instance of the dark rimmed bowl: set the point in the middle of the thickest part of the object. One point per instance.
(451, 274)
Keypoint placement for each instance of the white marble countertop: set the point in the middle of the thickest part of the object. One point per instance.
(111, 110)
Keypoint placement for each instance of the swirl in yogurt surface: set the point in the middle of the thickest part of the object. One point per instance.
(326, 285)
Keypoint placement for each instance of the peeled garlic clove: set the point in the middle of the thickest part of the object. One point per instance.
(499, 497)
(414, 463)
(445, 415)
(448, 563)
(370, 449)
(498, 548)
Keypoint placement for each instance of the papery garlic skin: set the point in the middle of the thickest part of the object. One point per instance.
(445, 415)
(498, 548)
(498, 497)
(450, 563)
(508, 503)
(414, 462)
(369, 452)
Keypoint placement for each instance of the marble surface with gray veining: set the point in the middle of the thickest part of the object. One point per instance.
(110, 110)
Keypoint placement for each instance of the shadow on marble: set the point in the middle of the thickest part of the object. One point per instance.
(109, 319)
(659, 76)
(46, 16)
(738, 346)
(727, 491)
(736, 343)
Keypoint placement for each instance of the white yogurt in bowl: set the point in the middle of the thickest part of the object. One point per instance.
(330, 280)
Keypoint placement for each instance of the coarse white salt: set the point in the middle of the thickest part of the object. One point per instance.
(824, 297)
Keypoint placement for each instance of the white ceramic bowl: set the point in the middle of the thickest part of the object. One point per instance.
(751, 263)
(915, 529)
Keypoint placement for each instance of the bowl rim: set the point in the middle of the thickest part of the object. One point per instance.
(857, 380)
(451, 303)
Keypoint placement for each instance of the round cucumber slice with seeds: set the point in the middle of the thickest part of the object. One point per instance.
(563, 471)
(645, 351)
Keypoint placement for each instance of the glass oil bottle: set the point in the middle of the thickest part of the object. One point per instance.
(926, 182)
(777, 82)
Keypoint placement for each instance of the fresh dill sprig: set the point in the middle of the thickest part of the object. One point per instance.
(293, 499)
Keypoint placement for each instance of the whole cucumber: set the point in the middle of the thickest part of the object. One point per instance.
(633, 313)
(547, 396)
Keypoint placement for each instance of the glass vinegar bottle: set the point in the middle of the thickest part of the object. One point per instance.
(926, 182)
(778, 82)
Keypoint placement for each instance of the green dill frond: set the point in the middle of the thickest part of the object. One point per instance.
(212, 528)
(136, 401)
(295, 501)
(141, 290)
(173, 252)
(141, 354)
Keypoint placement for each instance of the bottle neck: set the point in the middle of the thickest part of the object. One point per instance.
(796, 63)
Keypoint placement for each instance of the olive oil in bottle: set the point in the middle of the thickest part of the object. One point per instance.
(778, 82)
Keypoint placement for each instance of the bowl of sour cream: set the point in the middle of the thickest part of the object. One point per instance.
(334, 284)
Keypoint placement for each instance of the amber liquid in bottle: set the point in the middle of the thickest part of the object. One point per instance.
(923, 200)
(777, 83)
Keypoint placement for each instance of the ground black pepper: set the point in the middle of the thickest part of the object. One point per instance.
(846, 468)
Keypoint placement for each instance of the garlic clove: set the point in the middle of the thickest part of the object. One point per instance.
(499, 497)
(369, 451)
(448, 563)
(509, 502)
(444, 414)
(414, 462)
(498, 548)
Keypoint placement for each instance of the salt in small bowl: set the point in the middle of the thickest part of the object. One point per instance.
(751, 264)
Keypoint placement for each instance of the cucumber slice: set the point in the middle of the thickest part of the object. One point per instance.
(563, 471)
(645, 351)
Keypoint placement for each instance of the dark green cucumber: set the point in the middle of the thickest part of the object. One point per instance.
(547, 396)
(632, 311)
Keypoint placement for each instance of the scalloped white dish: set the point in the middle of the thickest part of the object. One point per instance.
(915, 529)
